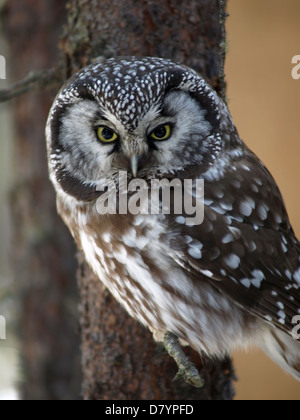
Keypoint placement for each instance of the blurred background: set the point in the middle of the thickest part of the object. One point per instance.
(9, 363)
(263, 36)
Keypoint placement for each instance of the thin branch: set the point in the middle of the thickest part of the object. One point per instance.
(33, 81)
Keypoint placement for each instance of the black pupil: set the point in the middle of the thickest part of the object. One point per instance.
(160, 132)
(107, 134)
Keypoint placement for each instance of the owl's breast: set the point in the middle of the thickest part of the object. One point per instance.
(133, 258)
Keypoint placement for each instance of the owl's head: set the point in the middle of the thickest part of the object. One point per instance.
(147, 116)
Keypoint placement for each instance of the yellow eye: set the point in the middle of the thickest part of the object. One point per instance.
(106, 135)
(163, 132)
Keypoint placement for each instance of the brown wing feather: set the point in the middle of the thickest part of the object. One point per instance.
(246, 247)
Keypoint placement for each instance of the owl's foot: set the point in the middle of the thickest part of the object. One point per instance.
(187, 370)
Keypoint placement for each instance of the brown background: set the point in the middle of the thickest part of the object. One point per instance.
(263, 36)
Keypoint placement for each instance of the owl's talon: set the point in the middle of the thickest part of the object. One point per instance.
(187, 370)
(190, 375)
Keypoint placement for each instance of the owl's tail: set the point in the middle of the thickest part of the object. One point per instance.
(283, 350)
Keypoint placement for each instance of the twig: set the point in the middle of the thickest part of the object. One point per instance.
(33, 81)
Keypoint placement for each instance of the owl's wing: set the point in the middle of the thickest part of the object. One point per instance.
(245, 246)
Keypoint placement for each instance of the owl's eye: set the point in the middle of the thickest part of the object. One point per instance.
(163, 132)
(106, 135)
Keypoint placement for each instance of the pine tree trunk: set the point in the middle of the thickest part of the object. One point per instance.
(120, 360)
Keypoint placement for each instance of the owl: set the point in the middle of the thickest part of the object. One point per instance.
(226, 283)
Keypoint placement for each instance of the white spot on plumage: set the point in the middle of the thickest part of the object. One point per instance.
(188, 239)
(281, 314)
(296, 276)
(232, 261)
(207, 273)
(256, 283)
(180, 220)
(247, 206)
(196, 244)
(209, 227)
(218, 209)
(121, 254)
(106, 237)
(262, 212)
(207, 202)
(246, 168)
(284, 247)
(219, 194)
(258, 181)
(254, 188)
(245, 209)
(251, 245)
(288, 274)
(278, 218)
(258, 274)
(228, 238)
(235, 232)
(246, 283)
(195, 253)
(226, 206)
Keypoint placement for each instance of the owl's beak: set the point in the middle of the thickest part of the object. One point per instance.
(134, 165)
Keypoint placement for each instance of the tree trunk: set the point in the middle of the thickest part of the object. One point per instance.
(119, 357)
(191, 32)
(120, 360)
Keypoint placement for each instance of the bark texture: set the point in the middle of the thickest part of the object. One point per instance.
(120, 360)
(191, 32)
